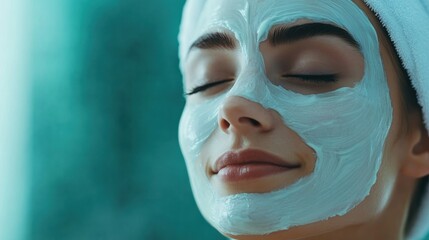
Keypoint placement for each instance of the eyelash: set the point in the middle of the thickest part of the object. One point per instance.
(207, 86)
(321, 78)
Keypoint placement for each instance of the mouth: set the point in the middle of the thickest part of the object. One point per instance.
(249, 164)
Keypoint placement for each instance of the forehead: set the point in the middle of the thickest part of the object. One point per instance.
(251, 20)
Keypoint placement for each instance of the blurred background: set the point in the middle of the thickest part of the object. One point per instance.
(90, 99)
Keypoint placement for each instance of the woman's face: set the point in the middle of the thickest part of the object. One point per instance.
(288, 110)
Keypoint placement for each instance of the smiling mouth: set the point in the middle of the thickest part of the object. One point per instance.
(250, 164)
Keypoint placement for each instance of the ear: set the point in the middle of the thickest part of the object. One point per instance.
(416, 164)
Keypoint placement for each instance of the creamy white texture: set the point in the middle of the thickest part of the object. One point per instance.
(346, 128)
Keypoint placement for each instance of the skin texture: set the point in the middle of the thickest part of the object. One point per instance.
(382, 215)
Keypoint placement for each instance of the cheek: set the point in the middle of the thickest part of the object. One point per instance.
(196, 125)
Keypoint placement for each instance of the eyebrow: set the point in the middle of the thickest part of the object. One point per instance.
(216, 40)
(285, 34)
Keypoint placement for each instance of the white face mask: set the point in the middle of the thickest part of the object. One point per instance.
(346, 127)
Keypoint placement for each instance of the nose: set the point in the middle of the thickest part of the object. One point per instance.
(239, 115)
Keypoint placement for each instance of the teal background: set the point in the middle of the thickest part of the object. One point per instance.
(106, 101)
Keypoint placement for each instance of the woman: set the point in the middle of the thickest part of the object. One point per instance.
(300, 122)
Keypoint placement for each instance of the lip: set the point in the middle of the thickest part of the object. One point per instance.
(250, 164)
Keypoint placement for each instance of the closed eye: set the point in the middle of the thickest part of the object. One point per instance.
(321, 78)
(207, 86)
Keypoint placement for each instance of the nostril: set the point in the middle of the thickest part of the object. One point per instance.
(224, 124)
(252, 121)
